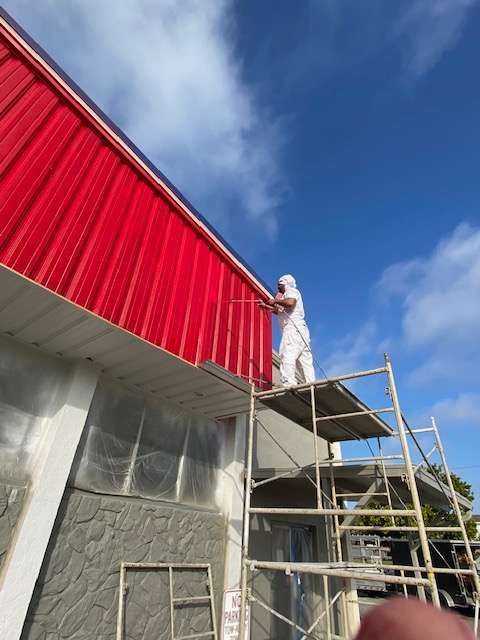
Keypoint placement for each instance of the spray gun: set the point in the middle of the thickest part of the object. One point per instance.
(257, 301)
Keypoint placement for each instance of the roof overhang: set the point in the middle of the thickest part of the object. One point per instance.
(359, 477)
(35, 315)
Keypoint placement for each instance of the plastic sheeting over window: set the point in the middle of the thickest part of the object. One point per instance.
(31, 392)
(138, 446)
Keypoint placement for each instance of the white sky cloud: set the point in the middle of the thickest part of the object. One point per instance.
(430, 28)
(463, 409)
(441, 292)
(397, 278)
(439, 297)
(349, 353)
(168, 73)
(436, 298)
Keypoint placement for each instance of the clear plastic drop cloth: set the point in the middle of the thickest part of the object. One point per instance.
(32, 389)
(103, 459)
(139, 446)
(160, 451)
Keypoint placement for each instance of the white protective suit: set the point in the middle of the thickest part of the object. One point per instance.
(295, 343)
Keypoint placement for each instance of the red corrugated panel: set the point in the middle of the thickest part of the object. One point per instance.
(81, 214)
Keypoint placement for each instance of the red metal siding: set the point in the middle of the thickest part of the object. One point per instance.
(81, 216)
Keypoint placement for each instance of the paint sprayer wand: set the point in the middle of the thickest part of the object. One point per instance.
(247, 301)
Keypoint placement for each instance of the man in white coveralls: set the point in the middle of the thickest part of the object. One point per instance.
(295, 343)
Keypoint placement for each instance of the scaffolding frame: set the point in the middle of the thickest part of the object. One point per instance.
(174, 602)
(346, 572)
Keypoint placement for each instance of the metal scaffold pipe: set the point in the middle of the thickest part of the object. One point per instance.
(315, 447)
(346, 572)
(458, 513)
(316, 568)
(372, 527)
(333, 512)
(319, 383)
(246, 519)
(422, 534)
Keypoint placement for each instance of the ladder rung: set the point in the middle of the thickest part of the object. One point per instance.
(192, 599)
(407, 433)
(205, 634)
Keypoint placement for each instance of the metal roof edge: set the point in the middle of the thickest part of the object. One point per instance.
(194, 213)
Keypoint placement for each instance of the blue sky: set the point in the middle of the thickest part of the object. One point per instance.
(338, 141)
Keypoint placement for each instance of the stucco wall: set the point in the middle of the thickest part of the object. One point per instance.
(11, 500)
(76, 596)
(294, 439)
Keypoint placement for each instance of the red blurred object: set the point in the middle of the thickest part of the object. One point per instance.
(83, 214)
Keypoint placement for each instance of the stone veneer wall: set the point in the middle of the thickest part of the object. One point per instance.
(76, 595)
(11, 500)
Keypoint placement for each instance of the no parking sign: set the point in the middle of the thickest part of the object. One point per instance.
(231, 615)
